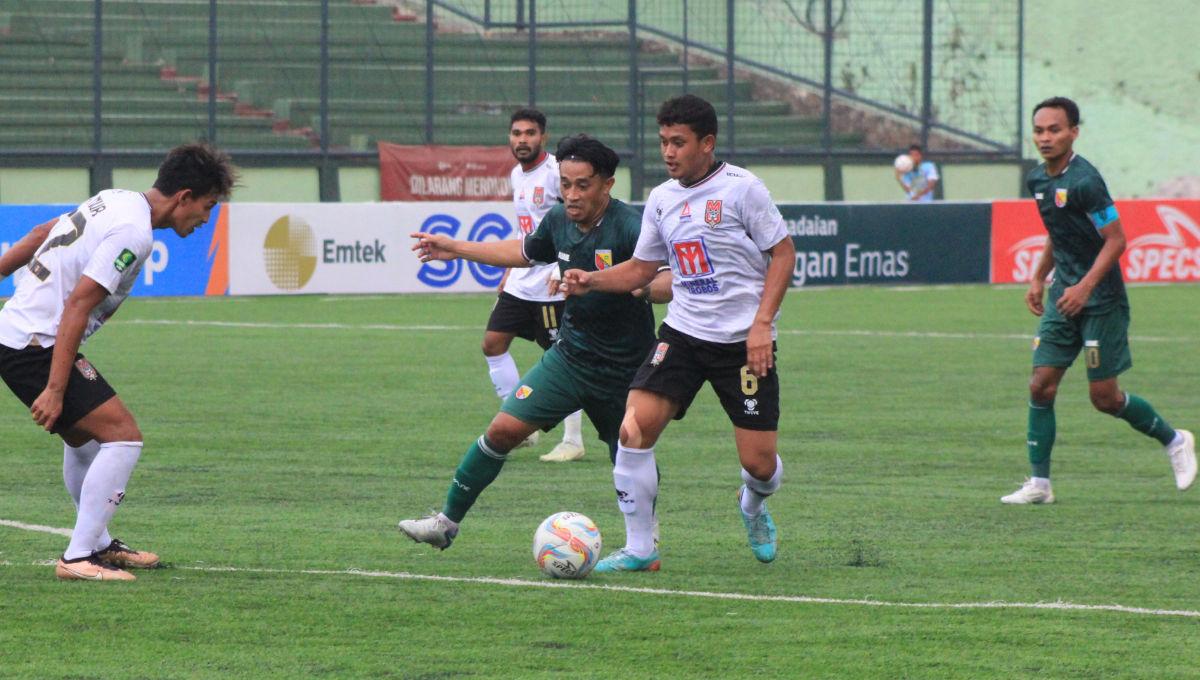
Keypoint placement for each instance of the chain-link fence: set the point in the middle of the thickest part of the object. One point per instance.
(321, 82)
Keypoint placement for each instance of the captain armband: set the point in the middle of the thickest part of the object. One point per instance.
(1103, 217)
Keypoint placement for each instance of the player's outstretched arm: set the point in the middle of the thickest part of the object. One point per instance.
(505, 253)
(659, 289)
(22, 251)
(623, 278)
(759, 357)
(83, 299)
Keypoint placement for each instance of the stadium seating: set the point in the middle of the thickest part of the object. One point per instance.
(155, 79)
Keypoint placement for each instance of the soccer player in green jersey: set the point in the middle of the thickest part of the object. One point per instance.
(601, 341)
(1089, 310)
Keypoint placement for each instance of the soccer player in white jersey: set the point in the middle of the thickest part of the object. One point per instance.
(529, 304)
(72, 275)
(732, 261)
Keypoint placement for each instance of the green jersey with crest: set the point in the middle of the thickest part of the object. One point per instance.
(606, 332)
(1075, 206)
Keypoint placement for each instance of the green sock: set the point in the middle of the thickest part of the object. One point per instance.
(1040, 437)
(479, 467)
(1142, 417)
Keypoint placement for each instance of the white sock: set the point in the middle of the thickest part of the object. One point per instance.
(757, 490)
(76, 461)
(101, 493)
(636, 480)
(573, 429)
(1177, 440)
(1041, 482)
(503, 372)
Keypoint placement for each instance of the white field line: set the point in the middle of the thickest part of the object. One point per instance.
(35, 527)
(427, 328)
(701, 594)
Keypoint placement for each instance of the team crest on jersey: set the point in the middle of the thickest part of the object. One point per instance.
(86, 369)
(539, 196)
(660, 353)
(124, 260)
(525, 222)
(523, 391)
(686, 213)
(1060, 198)
(712, 213)
(603, 259)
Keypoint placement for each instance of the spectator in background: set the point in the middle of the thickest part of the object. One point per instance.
(919, 182)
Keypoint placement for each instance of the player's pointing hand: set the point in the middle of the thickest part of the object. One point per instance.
(433, 246)
(575, 282)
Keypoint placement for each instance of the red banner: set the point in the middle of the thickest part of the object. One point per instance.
(1162, 240)
(444, 173)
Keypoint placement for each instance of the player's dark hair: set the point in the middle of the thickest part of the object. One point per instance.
(529, 114)
(200, 167)
(915, 147)
(691, 111)
(589, 150)
(1069, 107)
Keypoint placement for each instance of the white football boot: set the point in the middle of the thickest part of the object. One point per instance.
(1033, 491)
(1183, 459)
(565, 452)
(435, 530)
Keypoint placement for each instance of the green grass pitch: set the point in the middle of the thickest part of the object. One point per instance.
(286, 436)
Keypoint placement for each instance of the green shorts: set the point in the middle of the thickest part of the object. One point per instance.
(1104, 339)
(557, 387)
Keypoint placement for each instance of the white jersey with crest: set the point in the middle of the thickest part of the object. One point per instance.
(107, 239)
(534, 193)
(714, 234)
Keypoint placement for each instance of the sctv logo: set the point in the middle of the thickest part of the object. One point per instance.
(443, 274)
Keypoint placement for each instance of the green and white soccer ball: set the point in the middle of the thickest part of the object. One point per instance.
(566, 545)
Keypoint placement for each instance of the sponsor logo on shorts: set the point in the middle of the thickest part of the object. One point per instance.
(124, 260)
(86, 369)
(660, 353)
(751, 407)
(712, 213)
(524, 391)
(1060, 198)
(603, 259)
(1037, 341)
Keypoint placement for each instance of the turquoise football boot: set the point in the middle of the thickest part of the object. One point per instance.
(622, 560)
(760, 531)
